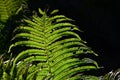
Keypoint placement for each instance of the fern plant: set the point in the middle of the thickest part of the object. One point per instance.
(53, 50)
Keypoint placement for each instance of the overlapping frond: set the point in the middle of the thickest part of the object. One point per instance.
(112, 75)
(9, 8)
(53, 49)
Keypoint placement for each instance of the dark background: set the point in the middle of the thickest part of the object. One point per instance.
(99, 19)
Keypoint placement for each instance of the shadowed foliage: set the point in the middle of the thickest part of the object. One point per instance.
(9, 15)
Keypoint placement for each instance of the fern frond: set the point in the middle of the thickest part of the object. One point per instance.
(112, 75)
(53, 49)
(8, 8)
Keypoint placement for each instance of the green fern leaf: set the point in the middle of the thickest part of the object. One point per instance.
(53, 49)
(29, 52)
(54, 11)
(9, 8)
